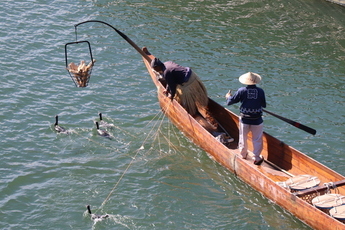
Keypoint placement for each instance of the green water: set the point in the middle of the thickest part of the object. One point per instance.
(149, 176)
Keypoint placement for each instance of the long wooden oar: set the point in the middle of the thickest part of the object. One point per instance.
(294, 123)
(124, 36)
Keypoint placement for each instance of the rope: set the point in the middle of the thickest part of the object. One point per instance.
(98, 143)
(136, 154)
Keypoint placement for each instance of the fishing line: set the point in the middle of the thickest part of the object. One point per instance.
(98, 143)
(155, 135)
(124, 131)
(128, 166)
(159, 114)
(170, 144)
(157, 130)
(171, 128)
(156, 127)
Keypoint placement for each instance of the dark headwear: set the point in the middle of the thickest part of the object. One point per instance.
(156, 62)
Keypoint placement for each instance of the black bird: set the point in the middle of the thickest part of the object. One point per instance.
(57, 127)
(96, 216)
(102, 132)
(103, 123)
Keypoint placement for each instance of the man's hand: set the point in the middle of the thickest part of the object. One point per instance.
(228, 94)
(167, 94)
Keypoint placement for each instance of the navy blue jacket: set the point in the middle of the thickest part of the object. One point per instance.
(175, 74)
(253, 100)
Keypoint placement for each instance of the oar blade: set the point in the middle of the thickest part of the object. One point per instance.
(294, 123)
(305, 128)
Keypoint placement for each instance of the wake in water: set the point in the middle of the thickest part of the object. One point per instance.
(96, 217)
(103, 123)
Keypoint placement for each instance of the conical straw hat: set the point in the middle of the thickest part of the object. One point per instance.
(250, 78)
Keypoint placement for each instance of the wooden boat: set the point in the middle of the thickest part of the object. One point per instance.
(282, 164)
(340, 2)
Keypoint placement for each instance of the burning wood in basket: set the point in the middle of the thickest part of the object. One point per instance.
(81, 72)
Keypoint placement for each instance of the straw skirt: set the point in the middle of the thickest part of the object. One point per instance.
(192, 95)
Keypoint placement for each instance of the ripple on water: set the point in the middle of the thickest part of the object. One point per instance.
(48, 178)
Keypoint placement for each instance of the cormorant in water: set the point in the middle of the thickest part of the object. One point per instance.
(96, 216)
(58, 128)
(102, 132)
(103, 123)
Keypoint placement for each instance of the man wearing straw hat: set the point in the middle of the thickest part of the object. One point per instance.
(253, 100)
(183, 85)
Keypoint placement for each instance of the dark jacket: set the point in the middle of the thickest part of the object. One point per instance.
(253, 100)
(175, 74)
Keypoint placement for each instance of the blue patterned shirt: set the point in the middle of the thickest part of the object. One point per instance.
(253, 100)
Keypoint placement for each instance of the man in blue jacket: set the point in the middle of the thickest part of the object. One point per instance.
(253, 100)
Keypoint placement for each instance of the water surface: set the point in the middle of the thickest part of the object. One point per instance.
(150, 176)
